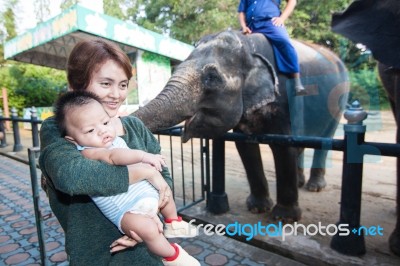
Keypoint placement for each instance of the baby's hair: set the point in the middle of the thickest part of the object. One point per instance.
(69, 100)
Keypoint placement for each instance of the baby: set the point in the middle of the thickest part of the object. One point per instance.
(83, 121)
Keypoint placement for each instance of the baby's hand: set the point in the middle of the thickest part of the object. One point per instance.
(156, 160)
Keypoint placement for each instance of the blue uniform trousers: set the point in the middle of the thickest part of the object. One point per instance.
(285, 54)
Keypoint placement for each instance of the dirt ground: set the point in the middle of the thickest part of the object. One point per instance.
(378, 199)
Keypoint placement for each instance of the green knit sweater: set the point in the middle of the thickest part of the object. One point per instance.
(88, 234)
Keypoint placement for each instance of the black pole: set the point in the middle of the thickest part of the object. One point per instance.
(35, 130)
(353, 242)
(32, 153)
(17, 138)
(3, 140)
(218, 200)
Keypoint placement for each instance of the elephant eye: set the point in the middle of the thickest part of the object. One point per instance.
(211, 78)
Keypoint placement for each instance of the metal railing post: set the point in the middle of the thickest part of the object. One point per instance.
(35, 130)
(350, 208)
(3, 141)
(32, 154)
(218, 200)
(17, 138)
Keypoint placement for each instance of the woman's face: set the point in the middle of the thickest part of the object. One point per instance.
(110, 83)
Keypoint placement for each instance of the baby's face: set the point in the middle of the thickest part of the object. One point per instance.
(89, 125)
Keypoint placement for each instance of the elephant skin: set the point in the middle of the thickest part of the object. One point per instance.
(376, 25)
(229, 82)
(390, 78)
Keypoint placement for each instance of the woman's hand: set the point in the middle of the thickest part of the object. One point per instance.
(124, 243)
(140, 171)
(164, 190)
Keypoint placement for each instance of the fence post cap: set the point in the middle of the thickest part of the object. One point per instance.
(355, 114)
(33, 112)
(14, 111)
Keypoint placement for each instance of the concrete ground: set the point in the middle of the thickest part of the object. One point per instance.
(378, 208)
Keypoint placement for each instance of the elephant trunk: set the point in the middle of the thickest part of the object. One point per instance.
(173, 105)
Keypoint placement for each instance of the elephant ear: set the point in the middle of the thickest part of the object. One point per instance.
(271, 70)
(374, 24)
(261, 84)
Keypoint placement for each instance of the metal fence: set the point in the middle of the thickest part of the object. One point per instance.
(34, 121)
(194, 182)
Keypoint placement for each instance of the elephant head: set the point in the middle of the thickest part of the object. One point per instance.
(221, 80)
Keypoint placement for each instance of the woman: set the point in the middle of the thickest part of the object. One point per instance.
(91, 239)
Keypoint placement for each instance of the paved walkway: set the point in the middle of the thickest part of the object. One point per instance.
(19, 241)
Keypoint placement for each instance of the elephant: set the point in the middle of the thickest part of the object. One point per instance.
(380, 34)
(390, 78)
(230, 82)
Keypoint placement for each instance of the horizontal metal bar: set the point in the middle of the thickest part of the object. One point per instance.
(190, 205)
(286, 140)
(386, 149)
(21, 120)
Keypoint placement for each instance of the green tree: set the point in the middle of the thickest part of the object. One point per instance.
(39, 86)
(8, 29)
(113, 8)
(9, 23)
(29, 85)
(65, 4)
(311, 21)
(184, 20)
(8, 82)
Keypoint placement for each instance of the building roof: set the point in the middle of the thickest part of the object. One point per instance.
(50, 43)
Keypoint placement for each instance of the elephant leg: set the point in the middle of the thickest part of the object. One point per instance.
(394, 239)
(300, 169)
(317, 176)
(287, 207)
(259, 200)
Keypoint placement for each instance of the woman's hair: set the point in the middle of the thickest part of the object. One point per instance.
(68, 101)
(88, 56)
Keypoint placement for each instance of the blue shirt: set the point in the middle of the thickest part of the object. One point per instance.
(259, 10)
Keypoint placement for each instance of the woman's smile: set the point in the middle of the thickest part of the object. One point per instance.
(111, 104)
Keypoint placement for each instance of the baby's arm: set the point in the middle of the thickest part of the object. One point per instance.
(123, 156)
